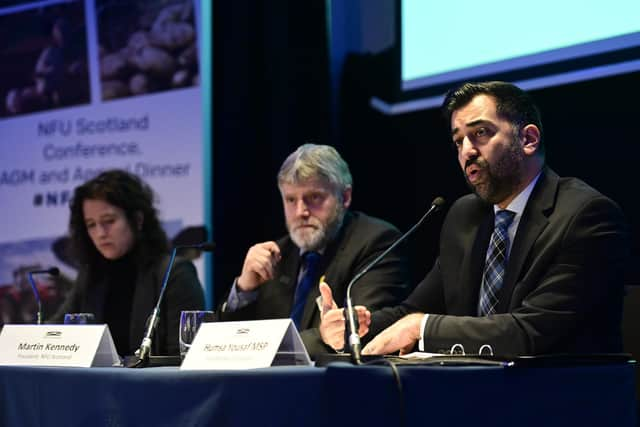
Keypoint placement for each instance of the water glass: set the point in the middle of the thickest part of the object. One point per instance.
(190, 321)
(79, 318)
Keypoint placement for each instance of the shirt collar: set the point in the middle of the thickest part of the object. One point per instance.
(518, 204)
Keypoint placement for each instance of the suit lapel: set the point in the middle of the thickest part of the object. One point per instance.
(473, 265)
(287, 278)
(534, 220)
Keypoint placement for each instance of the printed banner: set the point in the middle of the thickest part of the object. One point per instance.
(89, 85)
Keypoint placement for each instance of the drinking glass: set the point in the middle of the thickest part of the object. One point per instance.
(79, 318)
(190, 321)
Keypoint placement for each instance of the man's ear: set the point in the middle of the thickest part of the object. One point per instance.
(530, 137)
(346, 197)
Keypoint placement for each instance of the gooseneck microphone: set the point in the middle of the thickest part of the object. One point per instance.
(354, 338)
(53, 271)
(143, 353)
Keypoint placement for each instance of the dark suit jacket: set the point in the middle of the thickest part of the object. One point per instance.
(183, 292)
(563, 288)
(359, 241)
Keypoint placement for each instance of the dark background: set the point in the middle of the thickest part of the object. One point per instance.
(273, 90)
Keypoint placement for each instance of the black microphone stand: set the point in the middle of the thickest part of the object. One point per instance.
(52, 271)
(354, 338)
(142, 356)
(37, 295)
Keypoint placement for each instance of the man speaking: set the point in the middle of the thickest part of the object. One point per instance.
(530, 263)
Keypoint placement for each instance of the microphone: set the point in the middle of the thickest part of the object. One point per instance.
(53, 271)
(354, 338)
(204, 247)
(141, 358)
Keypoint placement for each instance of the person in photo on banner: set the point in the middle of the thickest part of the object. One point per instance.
(531, 263)
(280, 279)
(123, 253)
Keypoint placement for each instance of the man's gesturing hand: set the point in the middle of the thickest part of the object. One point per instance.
(259, 265)
(332, 321)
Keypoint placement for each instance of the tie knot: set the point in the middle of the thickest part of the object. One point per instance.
(310, 259)
(504, 218)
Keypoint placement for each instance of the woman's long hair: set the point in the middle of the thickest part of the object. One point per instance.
(129, 193)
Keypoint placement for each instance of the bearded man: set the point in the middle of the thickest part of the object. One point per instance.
(279, 279)
(531, 263)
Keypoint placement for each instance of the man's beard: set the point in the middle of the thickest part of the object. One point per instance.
(502, 177)
(313, 239)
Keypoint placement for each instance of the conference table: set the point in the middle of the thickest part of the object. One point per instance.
(334, 395)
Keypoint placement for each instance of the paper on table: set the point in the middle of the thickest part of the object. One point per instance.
(417, 355)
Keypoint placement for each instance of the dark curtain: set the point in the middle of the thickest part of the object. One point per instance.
(271, 94)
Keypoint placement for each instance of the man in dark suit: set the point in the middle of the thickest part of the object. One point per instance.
(280, 279)
(531, 263)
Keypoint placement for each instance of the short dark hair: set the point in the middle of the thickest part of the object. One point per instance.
(129, 193)
(512, 103)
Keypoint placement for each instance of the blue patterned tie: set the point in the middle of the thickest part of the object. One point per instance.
(308, 280)
(495, 263)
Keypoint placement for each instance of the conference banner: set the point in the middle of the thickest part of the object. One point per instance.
(90, 85)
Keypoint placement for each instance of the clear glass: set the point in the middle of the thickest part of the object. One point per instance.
(190, 321)
(79, 318)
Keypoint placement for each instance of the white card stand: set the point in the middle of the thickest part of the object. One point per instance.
(58, 345)
(292, 350)
(246, 345)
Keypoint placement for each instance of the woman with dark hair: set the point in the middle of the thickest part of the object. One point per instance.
(123, 254)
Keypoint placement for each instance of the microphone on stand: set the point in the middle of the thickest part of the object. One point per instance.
(141, 358)
(53, 271)
(354, 338)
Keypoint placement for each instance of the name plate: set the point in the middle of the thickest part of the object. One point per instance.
(246, 345)
(57, 345)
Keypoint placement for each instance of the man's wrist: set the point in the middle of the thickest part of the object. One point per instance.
(238, 298)
(239, 287)
(423, 327)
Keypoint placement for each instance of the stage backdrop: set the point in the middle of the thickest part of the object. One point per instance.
(88, 85)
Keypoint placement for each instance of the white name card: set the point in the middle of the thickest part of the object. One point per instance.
(246, 345)
(57, 345)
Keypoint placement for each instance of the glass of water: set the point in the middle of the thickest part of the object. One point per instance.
(79, 319)
(190, 321)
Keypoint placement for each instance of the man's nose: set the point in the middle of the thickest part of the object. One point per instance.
(301, 208)
(468, 150)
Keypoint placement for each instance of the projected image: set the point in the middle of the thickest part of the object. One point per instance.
(9, 3)
(577, 42)
(146, 46)
(43, 53)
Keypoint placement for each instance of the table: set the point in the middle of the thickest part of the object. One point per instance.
(493, 396)
(339, 394)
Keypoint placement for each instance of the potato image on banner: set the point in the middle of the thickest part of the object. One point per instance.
(146, 47)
